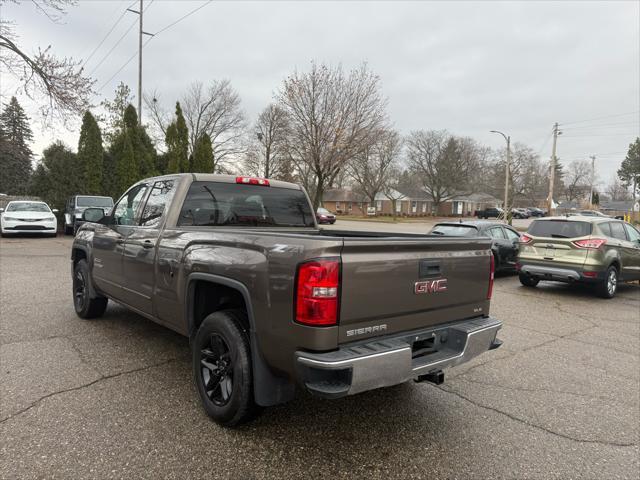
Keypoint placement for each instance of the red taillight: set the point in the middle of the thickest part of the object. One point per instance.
(317, 292)
(524, 238)
(594, 243)
(253, 181)
(492, 274)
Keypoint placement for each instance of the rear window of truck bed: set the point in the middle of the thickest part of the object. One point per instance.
(230, 204)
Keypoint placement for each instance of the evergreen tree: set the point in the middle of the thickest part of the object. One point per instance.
(203, 155)
(109, 177)
(90, 155)
(177, 141)
(126, 168)
(51, 180)
(15, 153)
(629, 171)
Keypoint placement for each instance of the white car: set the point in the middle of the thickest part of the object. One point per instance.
(24, 216)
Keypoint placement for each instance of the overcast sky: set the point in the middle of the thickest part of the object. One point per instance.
(468, 67)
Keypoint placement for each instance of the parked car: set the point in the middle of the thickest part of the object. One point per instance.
(325, 216)
(535, 212)
(270, 302)
(593, 250)
(591, 213)
(22, 216)
(504, 239)
(78, 204)
(491, 212)
(520, 213)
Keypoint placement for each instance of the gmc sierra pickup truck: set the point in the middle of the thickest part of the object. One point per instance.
(270, 302)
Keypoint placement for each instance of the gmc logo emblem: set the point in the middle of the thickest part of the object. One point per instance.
(431, 286)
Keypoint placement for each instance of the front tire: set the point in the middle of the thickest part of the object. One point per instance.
(85, 306)
(222, 368)
(609, 285)
(528, 281)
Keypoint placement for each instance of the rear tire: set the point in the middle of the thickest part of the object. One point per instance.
(221, 360)
(68, 230)
(528, 281)
(85, 306)
(609, 285)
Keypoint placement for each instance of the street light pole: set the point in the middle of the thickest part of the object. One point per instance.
(507, 213)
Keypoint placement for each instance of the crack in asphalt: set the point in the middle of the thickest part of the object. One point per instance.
(534, 425)
(547, 390)
(86, 385)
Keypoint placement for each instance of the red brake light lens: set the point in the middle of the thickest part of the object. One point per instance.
(317, 292)
(492, 274)
(524, 238)
(252, 181)
(593, 243)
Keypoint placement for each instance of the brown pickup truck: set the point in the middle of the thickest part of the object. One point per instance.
(272, 303)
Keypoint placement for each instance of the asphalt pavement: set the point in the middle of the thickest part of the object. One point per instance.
(113, 397)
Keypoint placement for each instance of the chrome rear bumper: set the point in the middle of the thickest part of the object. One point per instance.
(395, 359)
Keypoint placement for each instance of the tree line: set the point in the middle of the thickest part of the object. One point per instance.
(325, 128)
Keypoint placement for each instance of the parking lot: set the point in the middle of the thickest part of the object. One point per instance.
(113, 397)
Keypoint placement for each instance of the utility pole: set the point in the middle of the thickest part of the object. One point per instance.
(140, 34)
(507, 210)
(552, 173)
(593, 176)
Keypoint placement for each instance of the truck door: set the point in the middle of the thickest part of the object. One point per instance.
(108, 242)
(140, 251)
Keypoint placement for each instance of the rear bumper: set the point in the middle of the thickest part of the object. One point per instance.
(395, 359)
(567, 275)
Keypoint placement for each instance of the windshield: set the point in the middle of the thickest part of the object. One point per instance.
(230, 204)
(559, 229)
(455, 230)
(94, 202)
(323, 210)
(28, 207)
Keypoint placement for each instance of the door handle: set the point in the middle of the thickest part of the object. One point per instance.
(147, 244)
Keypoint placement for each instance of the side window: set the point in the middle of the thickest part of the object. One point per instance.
(606, 228)
(632, 233)
(511, 235)
(124, 213)
(617, 230)
(496, 232)
(161, 194)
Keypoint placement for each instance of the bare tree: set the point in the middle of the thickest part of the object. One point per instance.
(60, 80)
(616, 190)
(390, 188)
(160, 116)
(370, 169)
(334, 117)
(445, 165)
(216, 111)
(577, 180)
(268, 153)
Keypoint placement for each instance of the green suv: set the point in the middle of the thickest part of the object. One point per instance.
(594, 250)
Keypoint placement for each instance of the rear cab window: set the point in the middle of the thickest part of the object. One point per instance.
(231, 204)
(559, 229)
(455, 230)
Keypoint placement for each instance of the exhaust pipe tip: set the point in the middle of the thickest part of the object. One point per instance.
(437, 378)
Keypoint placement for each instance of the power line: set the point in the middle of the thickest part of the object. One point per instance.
(151, 38)
(601, 135)
(119, 40)
(104, 38)
(635, 122)
(603, 117)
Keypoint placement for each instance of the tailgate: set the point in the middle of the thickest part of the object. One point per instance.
(396, 284)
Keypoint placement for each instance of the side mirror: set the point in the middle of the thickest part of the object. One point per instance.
(55, 210)
(93, 215)
(1, 210)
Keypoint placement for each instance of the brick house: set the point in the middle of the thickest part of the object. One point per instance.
(344, 201)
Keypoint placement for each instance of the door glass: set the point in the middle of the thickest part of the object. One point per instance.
(124, 212)
(496, 232)
(617, 230)
(161, 194)
(632, 233)
(606, 229)
(511, 235)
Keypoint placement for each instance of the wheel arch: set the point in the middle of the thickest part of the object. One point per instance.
(269, 389)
